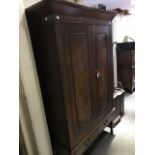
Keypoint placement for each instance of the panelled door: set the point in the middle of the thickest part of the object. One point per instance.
(86, 52)
(101, 51)
(79, 57)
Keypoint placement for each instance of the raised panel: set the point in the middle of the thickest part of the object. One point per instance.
(101, 52)
(102, 82)
(78, 55)
(81, 76)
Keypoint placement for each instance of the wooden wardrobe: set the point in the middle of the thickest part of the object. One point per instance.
(126, 65)
(73, 51)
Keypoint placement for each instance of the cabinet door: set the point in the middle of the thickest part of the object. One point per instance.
(102, 53)
(78, 56)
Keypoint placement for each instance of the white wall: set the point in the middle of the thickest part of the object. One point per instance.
(122, 26)
(31, 90)
(111, 4)
(28, 3)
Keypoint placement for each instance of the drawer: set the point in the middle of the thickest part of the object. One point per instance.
(117, 104)
(110, 116)
(87, 142)
(84, 145)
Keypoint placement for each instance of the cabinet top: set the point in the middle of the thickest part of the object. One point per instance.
(65, 8)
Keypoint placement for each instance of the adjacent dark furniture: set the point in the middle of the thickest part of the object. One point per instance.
(118, 99)
(126, 65)
(73, 51)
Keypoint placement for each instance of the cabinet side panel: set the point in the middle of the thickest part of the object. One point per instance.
(45, 51)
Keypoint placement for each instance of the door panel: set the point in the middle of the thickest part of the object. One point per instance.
(101, 48)
(101, 55)
(77, 44)
(81, 75)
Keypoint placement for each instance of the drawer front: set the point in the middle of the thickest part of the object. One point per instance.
(89, 139)
(95, 133)
(87, 142)
(110, 116)
(117, 106)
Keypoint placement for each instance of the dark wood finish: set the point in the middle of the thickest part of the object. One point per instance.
(126, 68)
(59, 7)
(76, 42)
(101, 50)
(119, 112)
(72, 49)
(111, 128)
